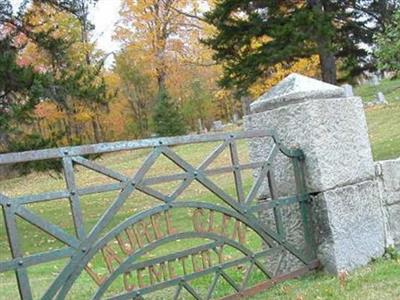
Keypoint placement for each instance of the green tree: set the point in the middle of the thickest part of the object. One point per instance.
(20, 91)
(66, 79)
(253, 36)
(388, 46)
(167, 119)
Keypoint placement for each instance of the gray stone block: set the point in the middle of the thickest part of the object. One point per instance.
(331, 132)
(389, 174)
(388, 178)
(293, 229)
(393, 213)
(350, 226)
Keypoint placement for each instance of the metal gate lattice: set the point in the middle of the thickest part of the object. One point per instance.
(238, 214)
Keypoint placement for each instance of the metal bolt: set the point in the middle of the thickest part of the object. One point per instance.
(195, 173)
(133, 184)
(20, 263)
(84, 250)
(66, 152)
(231, 136)
(160, 142)
(73, 193)
(8, 204)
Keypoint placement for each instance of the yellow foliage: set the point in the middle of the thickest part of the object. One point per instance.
(82, 116)
(49, 111)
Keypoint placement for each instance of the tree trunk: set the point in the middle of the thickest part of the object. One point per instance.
(161, 76)
(245, 100)
(4, 141)
(96, 130)
(328, 66)
(324, 44)
(68, 127)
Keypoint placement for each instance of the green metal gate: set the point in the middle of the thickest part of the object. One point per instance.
(149, 254)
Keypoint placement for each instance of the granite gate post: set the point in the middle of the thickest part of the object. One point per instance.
(331, 130)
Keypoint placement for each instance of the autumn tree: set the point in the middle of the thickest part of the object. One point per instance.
(77, 69)
(136, 86)
(47, 36)
(153, 27)
(291, 30)
(163, 38)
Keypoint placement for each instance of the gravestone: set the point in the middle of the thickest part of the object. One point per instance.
(218, 126)
(380, 98)
(235, 118)
(348, 90)
(375, 80)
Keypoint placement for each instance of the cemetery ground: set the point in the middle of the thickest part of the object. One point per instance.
(383, 120)
(379, 280)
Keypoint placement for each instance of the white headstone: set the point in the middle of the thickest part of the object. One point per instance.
(348, 90)
(218, 126)
(375, 80)
(380, 98)
(235, 118)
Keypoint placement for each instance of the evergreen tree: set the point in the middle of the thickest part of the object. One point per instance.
(20, 91)
(167, 119)
(253, 36)
(65, 80)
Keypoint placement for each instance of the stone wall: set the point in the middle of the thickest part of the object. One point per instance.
(388, 178)
(331, 129)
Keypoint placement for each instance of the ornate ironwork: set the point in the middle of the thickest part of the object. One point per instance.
(218, 226)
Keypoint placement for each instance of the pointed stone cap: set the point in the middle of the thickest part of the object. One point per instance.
(293, 89)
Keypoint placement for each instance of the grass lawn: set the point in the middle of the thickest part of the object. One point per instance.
(390, 88)
(384, 130)
(379, 280)
(383, 121)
